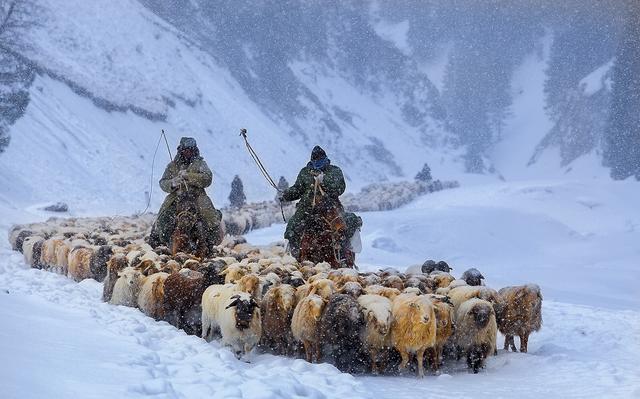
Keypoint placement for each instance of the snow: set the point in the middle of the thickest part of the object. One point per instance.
(597, 80)
(575, 238)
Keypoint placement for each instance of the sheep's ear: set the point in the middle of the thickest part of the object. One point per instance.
(224, 272)
(232, 304)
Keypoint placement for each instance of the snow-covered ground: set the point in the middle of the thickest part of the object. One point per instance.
(577, 239)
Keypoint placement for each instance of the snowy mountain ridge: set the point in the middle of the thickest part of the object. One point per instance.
(116, 73)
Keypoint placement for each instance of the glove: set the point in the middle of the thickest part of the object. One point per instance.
(176, 182)
(320, 178)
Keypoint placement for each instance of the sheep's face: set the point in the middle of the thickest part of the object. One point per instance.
(380, 326)
(481, 315)
(244, 311)
(130, 277)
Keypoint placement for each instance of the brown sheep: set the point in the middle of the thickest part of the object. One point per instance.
(117, 263)
(151, 295)
(305, 324)
(413, 329)
(522, 314)
(394, 282)
(49, 248)
(386, 292)
(79, 259)
(277, 309)
(445, 327)
(182, 297)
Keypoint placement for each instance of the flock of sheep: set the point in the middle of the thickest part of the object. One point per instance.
(250, 297)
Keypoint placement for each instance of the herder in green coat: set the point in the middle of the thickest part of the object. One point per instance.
(185, 179)
(330, 179)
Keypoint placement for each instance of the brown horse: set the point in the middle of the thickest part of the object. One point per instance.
(189, 235)
(323, 238)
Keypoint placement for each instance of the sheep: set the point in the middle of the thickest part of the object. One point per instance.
(250, 284)
(445, 328)
(462, 293)
(370, 279)
(235, 314)
(305, 324)
(295, 279)
(351, 288)
(98, 262)
(127, 287)
(472, 276)
(340, 327)
(412, 290)
(476, 331)
(79, 259)
(394, 282)
(387, 292)
(182, 297)
(32, 250)
(233, 273)
(151, 295)
(418, 283)
(521, 315)
(323, 287)
(49, 247)
(277, 308)
(17, 237)
(375, 336)
(117, 263)
(430, 266)
(413, 329)
(62, 257)
(441, 279)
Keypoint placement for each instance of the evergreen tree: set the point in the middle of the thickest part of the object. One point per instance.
(16, 72)
(237, 197)
(425, 174)
(622, 151)
(283, 184)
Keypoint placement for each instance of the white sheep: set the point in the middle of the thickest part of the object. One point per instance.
(235, 314)
(127, 287)
(377, 315)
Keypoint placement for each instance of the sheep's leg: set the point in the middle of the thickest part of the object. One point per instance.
(506, 342)
(374, 364)
(512, 342)
(420, 356)
(318, 351)
(405, 359)
(435, 359)
(524, 340)
(308, 350)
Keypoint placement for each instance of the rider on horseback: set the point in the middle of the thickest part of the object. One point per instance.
(185, 179)
(318, 179)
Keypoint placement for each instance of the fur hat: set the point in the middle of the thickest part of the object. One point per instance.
(318, 153)
(187, 142)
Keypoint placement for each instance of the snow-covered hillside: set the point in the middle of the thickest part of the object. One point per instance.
(108, 79)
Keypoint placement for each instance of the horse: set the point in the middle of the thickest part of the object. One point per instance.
(323, 238)
(189, 234)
